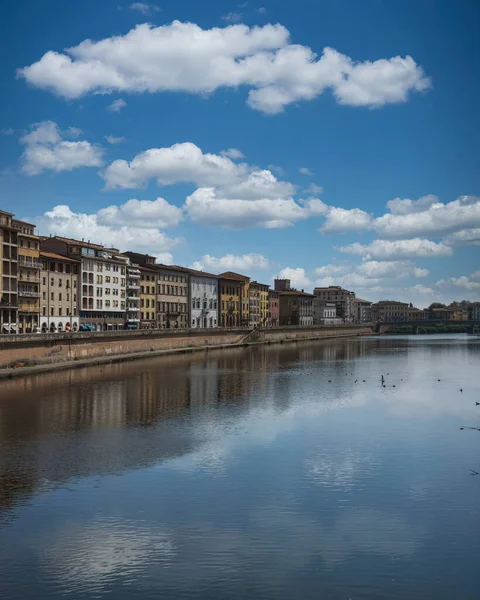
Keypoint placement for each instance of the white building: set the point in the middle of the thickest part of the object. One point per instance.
(102, 285)
(203, 299)
(343, 299)
(325, 313)
(132, 308)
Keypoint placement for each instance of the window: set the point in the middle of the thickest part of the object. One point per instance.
(107, 291)
(108, 267)
(122, 282)
(107, 303)
(100, 267)
(141, 289)
(51, 311)
(107, 279)
(68, 311)
(60, 311)
(51, 296)
(141, 316)
(74, 283)
(115, 280)
(59, 283)
(99, 304)
(74, 297)
(68, 297)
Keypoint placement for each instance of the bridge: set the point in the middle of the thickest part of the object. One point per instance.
(383, 327)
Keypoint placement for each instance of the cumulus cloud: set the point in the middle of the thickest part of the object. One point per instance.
(298, 277)
(232, 153)
(144, 8)
(430, 218)
(231, 262)
(184, 57)
(466, 237)
(141, 213)
(305, 171)
(459, 282)
(184, 162)
(209, 206)
(400, 206)
(328, 270)
(314, 189)
(111, 139)
(117, 105)
(61, 220)
(342, 220)
(399, 249)
(46, 149)
(232, 17)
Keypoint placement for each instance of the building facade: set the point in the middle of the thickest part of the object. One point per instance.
(389, 311)
(230, 298)
(28, 276)
(363, 311)
(132, 299)
(102, 286)
(59, 284)
(203, 299)
(148, 288)
(172, 301)
(296, 308)
(8, 274)
(325, 313)
(474, 311)
(344, 301)
(273, 308)
(263, 302)
(244, 297)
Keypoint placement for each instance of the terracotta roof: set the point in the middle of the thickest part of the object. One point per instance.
(73, 242)
(258, 283)
(18, 222)
(171, 268)
(236, 276)
(295, 293)
(58, 257)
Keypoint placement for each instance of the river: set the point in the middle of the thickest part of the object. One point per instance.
(273, 472)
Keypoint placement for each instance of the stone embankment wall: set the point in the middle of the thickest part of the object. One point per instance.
(17, 352)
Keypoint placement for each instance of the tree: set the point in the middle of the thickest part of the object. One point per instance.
(436, 305)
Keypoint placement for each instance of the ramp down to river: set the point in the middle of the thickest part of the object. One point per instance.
(22, 354)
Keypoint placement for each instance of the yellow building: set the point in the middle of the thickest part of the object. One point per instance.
(231, 288)
(264, 304)
(8, 274)
(258, 314)
(147, 298)
(29, 267)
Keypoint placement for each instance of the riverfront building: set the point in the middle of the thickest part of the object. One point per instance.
(363, 311)
(148, 287)
(325, 313)
(203, 299)
(258, 305)
(28, 277)
(172, 297)
(59, 284)
(231, 287)
(296, 306)
(344, 301)
(102, 280)
(390, 311)
(273, 308)
(8, 274)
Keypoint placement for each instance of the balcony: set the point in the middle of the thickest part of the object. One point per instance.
(133, 320)
(133, 297)
(132, 309)
(28, 294)
(132, 286)
(133, 274)
(25, 278)
(31, 263)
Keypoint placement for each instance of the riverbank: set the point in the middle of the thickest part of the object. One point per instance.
(33, 354)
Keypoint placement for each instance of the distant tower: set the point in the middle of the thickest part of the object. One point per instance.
(282, 285)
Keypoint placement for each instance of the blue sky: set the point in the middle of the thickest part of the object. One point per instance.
(332, 142)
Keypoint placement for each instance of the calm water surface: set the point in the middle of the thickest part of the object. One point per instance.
(273, 472)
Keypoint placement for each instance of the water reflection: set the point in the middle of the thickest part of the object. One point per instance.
(265, 471)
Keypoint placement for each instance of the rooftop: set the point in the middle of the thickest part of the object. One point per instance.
(204, 273)
(233, 275)
(82, 243)
(296, 293)
(54, 256)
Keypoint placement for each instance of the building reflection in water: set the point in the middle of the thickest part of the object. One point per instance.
(83, 422)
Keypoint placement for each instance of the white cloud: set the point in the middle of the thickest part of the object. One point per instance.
(313, 188)
(428, 216)
(145, 8)
(45, 149)
(461, 282)
(184, 57)
(230, 262)
(232, 153)
(261, 10)
(298, 277)
(61, 220)
(232, 17)
(184, 162)
(141, 213)
(217, 207)
(8, 131)
(341, 220)
(117, 105)
(328, 270)
(466, 237)
(419, 273)
(399, 249)
(305, 171)
(406, 206)
(476, 275)
(111, 139)
(422, 289)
